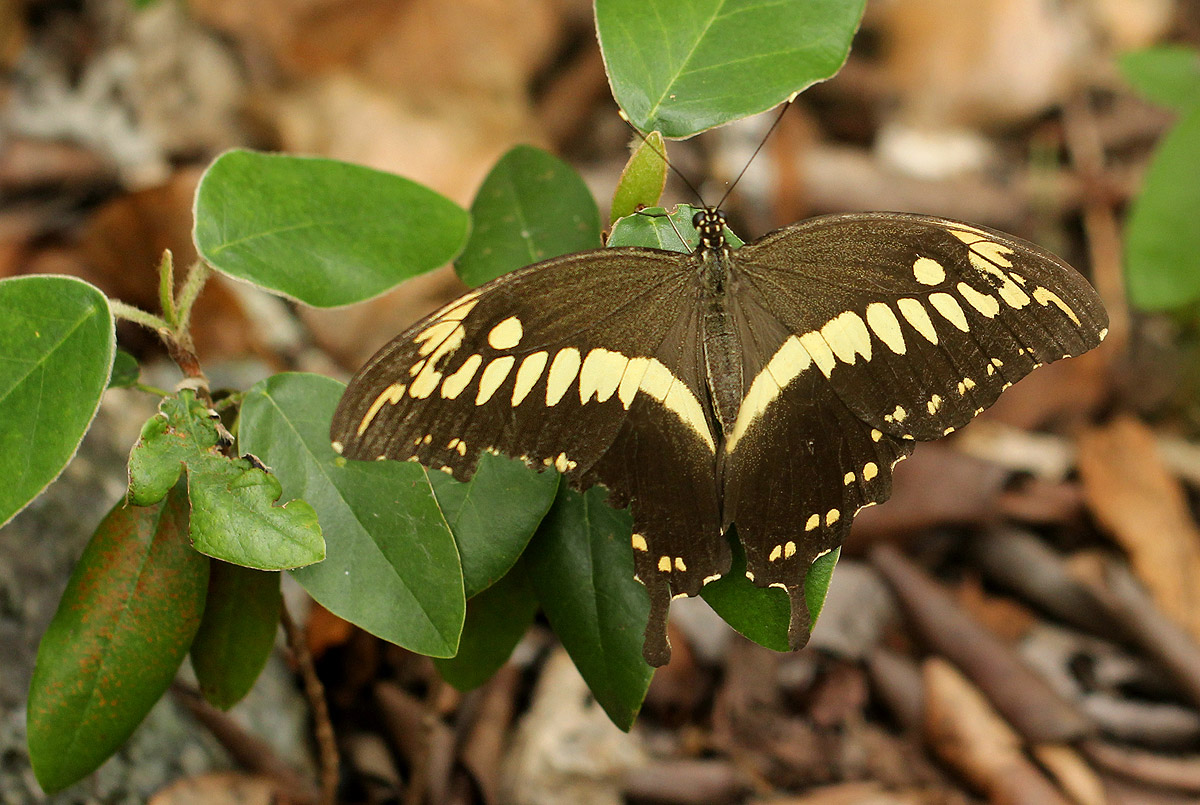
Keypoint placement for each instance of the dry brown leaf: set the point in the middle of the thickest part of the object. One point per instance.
(1072, 772)
(1004, 616)
(219, 788)
(965, 732)
(1142, 505)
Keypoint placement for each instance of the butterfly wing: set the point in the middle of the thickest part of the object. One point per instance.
(608, 390)
(861, 334)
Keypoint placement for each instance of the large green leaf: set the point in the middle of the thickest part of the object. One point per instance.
(683, 67)
(181, 431)
(126, 620)
(762, 613)
(392, 565)
(237, 634)
(57, 342)
(325, 232)
(1162, 241)
(531, 207)
(497, 618)
(1168, 75)
(493, 515)
(581, 562)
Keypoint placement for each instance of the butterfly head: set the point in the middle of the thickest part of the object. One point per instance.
(710, 223)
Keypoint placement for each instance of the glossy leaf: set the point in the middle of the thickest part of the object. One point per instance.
(651, 228)
(237, 633)
(235, 519)
(1162, 241)
(324, 232)
(531, 207)
(392, 565)
(126, 620)
(643, 178)
(681, 68)
(1168, 75)
(761, 613)
(581, 564)
(496, 621)
(493, 516)
(56, 336)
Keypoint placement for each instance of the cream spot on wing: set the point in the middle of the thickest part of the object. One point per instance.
(453, 385)
(661, 385)
(785, 366)
(710, 579)
(631, 380)
(914, 311)
(1018, 278)
(818, 350)
(458, 309)
(562, 373)
(847, 335)
(564, 464)
(493, 377)
(392, 394)
(749, 575)
(876, 434)
(997, 362)
(991, 370)
(935, 402)
(1006, 387)
(639, 543)
(886, 327)
(679, 564)
(1045, 297)
(948, 306)
(789, 550)
(1103, 333)
(984, 303)
(428, 439)
(869, 471)
(425, 382)
(507, 334)
(664, 564)
(433, 335)
(968, 383)
(601, 374)
(848, 479)
(948, 431)
(832, 516)
(1009, 291)
(776, 552)
(994, 252)
(813, 521)
(965, 232)
(461, 448)
(928, 271)
(446, 470)
(527, 375)
(899, 414)
(338, 447)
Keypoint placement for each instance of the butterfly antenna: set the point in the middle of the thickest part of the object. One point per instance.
(662, 156)
(763, 142)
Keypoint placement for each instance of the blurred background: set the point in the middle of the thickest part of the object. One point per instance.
(1021, 623)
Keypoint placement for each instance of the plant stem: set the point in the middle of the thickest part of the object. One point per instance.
(197, 276)
(137, 315)
(315, 692)
(166, 288)
(151, 390)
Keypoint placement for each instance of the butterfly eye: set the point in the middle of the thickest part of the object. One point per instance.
(698, 219)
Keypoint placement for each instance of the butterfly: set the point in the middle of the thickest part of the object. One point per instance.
(771, 387)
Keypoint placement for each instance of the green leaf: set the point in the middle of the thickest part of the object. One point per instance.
(761, 613)
(57, 342)
(181, 431)
(327, 233)
(237, 634)
(496, 621)
(126, 620)
(681, 68)
(651, 228)
(581, 563)
(392, 565)
(643, 179)
(493, 516)
(1169, 75)
(235, 519)
(1162, 241)
(531, 207)
(125, 371)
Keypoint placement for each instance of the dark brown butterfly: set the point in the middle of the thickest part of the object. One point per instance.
(773, 386)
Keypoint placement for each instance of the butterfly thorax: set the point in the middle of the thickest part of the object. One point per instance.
(722, 348)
